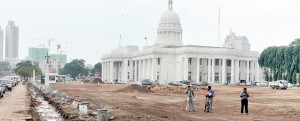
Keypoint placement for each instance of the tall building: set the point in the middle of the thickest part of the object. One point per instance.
(59, 57)
(170, 60)
(37, 54)
(1, 44)
(237, 42)
(11, 41)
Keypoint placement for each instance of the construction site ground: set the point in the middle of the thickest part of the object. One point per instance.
(165, 103)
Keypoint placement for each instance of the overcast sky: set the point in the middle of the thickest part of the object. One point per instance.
(86, 29)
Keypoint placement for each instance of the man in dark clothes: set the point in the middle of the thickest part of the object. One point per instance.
(244, 102)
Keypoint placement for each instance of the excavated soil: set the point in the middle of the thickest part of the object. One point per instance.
(167, 103)
(134, 88)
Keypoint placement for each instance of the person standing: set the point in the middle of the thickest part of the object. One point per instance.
(190, 98)
(244, 102)
(209, 100)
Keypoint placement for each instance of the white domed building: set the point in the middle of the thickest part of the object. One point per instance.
(169, 60)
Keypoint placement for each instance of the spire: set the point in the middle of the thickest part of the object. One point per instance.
(170, 4)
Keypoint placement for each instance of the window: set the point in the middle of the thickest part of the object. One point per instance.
(228, 63)
(217, 62)
(190, 61)
(158, 61)
(200, 62)
(190, 75)
(217, 78)
(249, 65)
(128, 63)
(134, 63)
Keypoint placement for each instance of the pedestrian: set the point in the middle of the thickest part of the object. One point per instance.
(209, 100)
(244, 102)
(190, 98)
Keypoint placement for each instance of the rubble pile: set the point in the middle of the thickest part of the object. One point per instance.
(134, 88)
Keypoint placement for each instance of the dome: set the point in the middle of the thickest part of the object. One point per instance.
(169, 31)
(170, 17)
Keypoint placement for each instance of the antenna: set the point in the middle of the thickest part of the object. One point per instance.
(146, 40)
(120, 40)
(219, 24)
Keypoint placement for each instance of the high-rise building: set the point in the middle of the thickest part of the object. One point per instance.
(1, 44)
(59, 57)
(37, 54)
(11, 41)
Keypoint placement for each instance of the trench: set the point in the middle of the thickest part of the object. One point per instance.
(41, 109)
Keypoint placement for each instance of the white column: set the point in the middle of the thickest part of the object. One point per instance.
(224, 71)
(125, 69)
(149, 69)
(140, 71)
(237, 71)
(102, 71)
(213, 71)
(252, 71)
(144, 69)
(257, 71)
(232, 72)
(186, 67)
(108, 71)
(197, 69)
(111, 68)
(153, 73)
(135, 71)
(209, 71)
(247, 74)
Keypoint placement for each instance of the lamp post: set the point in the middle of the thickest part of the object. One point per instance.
(167, 75)
(47, 57)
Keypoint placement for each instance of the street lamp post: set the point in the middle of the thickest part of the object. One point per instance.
(47, 57)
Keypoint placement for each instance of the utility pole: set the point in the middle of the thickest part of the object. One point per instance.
(47, 57)
(219, 24)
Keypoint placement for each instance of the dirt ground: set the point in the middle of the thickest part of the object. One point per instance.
(132, 103)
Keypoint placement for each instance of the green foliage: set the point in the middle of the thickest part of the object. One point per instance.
(74, 68)
(97, 68)
(25, 69)
(281, 62)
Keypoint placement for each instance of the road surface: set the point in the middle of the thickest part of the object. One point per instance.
(14, 106)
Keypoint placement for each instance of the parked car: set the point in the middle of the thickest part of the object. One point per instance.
(3, 85)
(8, 84)
(2, 90)
(13, 79)
(186, 82)
(175, 83)
(290, 85)
(263, 84)
(200, 83)
(147, 82)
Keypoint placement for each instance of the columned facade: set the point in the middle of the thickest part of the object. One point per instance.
(169, 60)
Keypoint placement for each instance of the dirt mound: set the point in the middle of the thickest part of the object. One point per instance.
(134, 88)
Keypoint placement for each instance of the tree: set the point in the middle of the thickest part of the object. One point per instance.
(97, 68)
(296, 42)
(281, 62)
(24, 69)
(75, 67)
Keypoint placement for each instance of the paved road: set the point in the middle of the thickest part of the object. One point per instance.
(14, 105)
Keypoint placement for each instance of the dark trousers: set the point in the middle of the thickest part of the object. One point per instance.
(244, 103)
